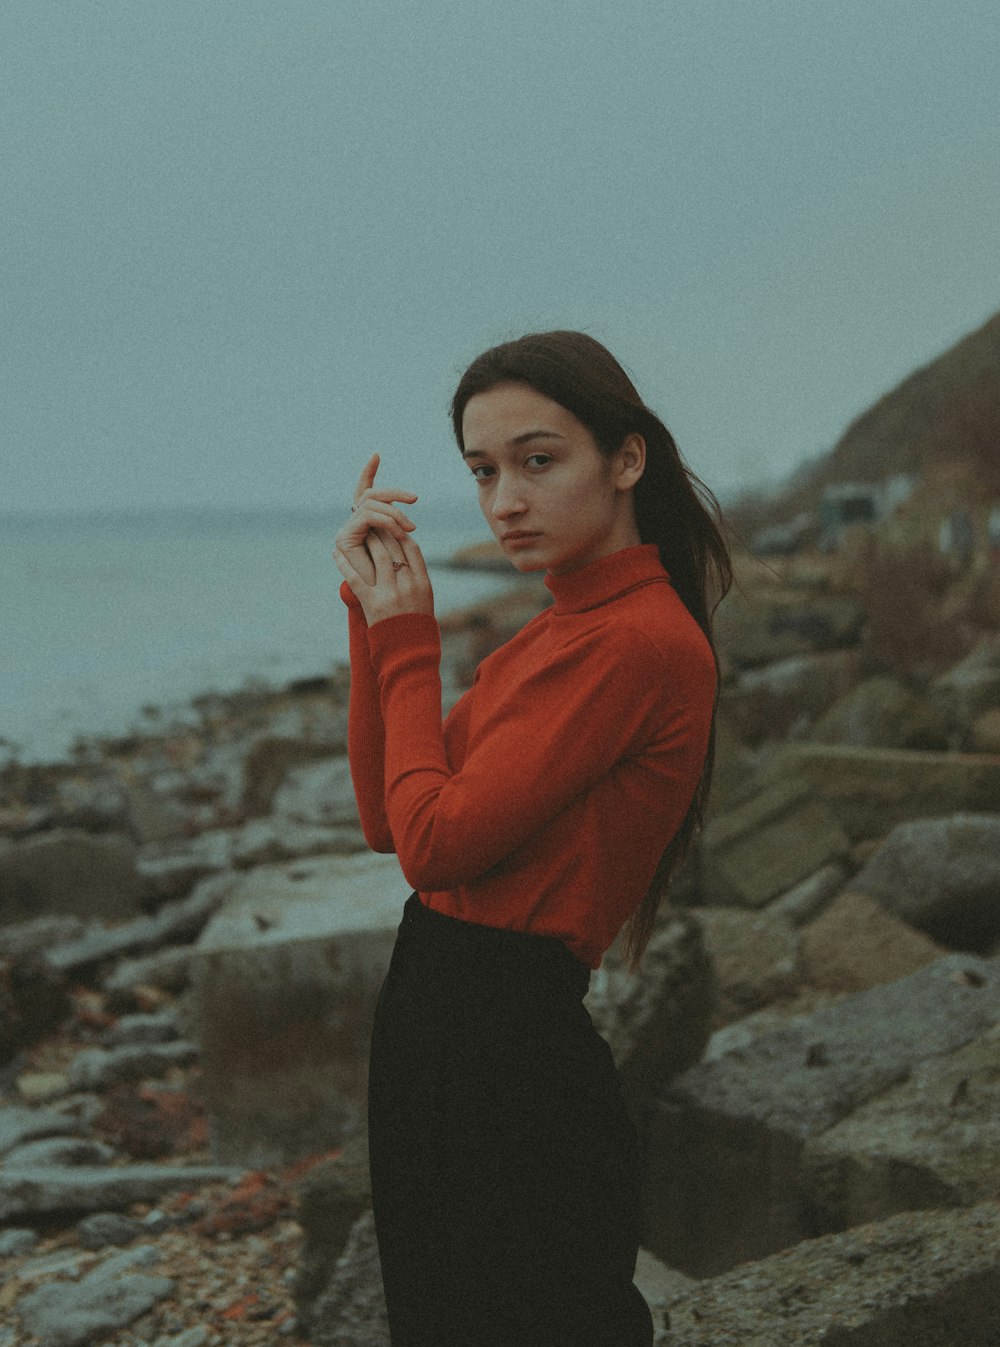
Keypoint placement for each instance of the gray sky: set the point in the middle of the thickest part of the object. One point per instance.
(245, 243)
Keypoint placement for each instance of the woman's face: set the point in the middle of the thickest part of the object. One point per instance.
(552, 499)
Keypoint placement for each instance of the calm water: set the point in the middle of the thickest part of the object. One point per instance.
(101, 615)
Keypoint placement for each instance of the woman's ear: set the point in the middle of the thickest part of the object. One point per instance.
(630, 462)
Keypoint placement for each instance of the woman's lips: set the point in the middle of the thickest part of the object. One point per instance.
(518, 538)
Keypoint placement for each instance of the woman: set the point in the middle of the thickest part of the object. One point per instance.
(546, 813)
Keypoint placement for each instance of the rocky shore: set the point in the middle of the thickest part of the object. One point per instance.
(192, 935)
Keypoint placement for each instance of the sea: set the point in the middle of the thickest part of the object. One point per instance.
(111, 622)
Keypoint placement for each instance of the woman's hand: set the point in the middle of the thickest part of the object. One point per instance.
(371, 510)
(376, 555)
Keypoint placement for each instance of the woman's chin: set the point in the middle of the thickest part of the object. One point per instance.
(527, 564)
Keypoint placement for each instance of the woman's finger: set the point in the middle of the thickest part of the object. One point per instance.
(414, 558)
(367, 478)
(392, 545)
(381, 515)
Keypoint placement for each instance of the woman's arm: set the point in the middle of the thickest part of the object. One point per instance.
(370, 511)
(575, 719)
(365, 732)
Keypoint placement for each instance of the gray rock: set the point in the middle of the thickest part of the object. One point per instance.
(108, 1227)
(182, 920)
(943, 876)
(931, 1141)
(767, 702)
(319, 793)
(880, 713)
(65, 1314)
(351, 1311)
(132, 1030)
(284, 984)
(99, 1068)
(33, 1192)
(19, 1124)
(759, 850)
(29, 937)
(169, 870)
(191, 1337)
(15, 1242)
(656, 1021)
(59, 1151)
(758, 624)
(70, 873)
(57, 1263)
(268, 841)
(724, 1146)
(871, 790)
(166, 969)
(331, 1198)
(925, 1279)
(156, 1221)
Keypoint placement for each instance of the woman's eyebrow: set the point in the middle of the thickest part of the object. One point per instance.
(523, 438)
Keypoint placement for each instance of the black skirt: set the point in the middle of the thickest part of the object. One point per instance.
(504, 1163)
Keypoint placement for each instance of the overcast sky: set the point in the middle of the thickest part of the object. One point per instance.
(245, 242)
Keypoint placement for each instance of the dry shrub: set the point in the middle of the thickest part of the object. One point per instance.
(908, 633)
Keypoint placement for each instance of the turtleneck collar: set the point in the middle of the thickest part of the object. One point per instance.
(605, 579)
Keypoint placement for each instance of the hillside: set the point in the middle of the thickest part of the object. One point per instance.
(942, 420)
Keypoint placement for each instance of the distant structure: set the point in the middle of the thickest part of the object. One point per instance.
(847, 503)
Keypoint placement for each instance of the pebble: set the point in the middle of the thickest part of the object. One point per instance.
(37, 1087)
(191, 1337)
(108, 1227)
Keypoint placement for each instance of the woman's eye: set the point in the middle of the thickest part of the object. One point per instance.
(538, 460)
(481, 472)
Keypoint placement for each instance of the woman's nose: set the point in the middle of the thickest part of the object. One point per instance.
(507, 500)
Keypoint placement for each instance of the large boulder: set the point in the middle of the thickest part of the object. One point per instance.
(71, 873)
(870, 790)
(879, 713)
(754, 853)
(351, 1310)
(855, 944)
(943, 876)
(971, 688)
(284, 981)
(768, 702)
(761, 622)
(725, 1143)
(331, 1198)
(931, 1141)
(923, 1279)
(656, 1020)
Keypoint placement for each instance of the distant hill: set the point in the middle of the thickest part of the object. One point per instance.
(942, 420)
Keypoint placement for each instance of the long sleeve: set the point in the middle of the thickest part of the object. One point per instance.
(575, 717)
(366, 732)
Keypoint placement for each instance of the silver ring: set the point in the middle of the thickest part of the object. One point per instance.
(398, 565)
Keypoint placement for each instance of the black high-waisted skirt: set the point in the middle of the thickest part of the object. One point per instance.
(504, 1163)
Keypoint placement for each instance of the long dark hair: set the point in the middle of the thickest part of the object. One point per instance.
(673, 509)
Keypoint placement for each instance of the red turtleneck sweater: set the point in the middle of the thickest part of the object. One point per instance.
(546, 799)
